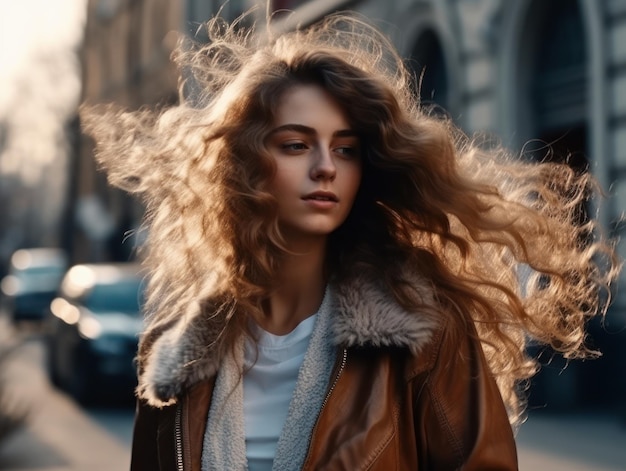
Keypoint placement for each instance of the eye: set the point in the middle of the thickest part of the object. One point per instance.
(293, 146)
(348, 151)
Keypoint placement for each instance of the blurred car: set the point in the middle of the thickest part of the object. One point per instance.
(92, 331)
(31, 282)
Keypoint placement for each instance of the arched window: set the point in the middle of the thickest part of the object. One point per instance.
(556, 89)
(431, 76)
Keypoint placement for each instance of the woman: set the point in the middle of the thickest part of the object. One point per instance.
(334, 273)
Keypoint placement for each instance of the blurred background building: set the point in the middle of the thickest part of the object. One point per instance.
(547, 78)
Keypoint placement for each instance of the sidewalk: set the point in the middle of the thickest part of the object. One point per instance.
(58, 435)
(572, 442)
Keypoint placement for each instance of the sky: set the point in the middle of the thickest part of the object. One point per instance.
(39, 81)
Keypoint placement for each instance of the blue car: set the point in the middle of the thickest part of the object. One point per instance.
(32, 281)
(92, 331)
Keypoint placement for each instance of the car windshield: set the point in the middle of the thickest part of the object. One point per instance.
(44, 270)
(123, 296)
(42, 278)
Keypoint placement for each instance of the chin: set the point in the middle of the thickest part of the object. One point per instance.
(310, 232)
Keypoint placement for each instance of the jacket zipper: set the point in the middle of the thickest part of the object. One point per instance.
(342, 365)
(178, 435)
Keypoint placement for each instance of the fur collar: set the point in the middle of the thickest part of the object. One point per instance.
(366, 315)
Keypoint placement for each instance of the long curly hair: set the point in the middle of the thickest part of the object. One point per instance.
(499, 238)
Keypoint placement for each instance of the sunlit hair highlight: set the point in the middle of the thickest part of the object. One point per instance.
(500, 239)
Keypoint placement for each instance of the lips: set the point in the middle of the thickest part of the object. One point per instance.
(321, 196)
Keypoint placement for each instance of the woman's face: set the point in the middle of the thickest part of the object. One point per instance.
(318, 163)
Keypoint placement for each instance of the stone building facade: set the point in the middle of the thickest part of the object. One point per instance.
(125, 60)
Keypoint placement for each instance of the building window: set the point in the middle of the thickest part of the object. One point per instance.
(431, 77)
(282, 7)
(558, 84)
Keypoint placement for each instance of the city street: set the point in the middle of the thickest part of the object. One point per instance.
(61, 436)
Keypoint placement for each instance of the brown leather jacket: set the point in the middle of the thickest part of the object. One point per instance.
(428, 405)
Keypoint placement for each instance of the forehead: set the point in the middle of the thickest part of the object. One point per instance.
(310, 105)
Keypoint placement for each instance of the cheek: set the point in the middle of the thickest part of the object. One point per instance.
(353, 180)
(282, 181)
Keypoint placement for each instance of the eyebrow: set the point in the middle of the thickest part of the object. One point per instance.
(311, 131)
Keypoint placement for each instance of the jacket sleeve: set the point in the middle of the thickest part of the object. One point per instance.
(460, 418)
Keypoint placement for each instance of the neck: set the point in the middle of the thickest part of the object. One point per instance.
(301, 285)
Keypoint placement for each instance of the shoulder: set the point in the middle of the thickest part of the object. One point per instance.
(453, 347)
(444, 342)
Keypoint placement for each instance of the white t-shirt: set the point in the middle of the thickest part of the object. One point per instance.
(268, 387)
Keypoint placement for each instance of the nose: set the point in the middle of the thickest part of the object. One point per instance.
(322, 166)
